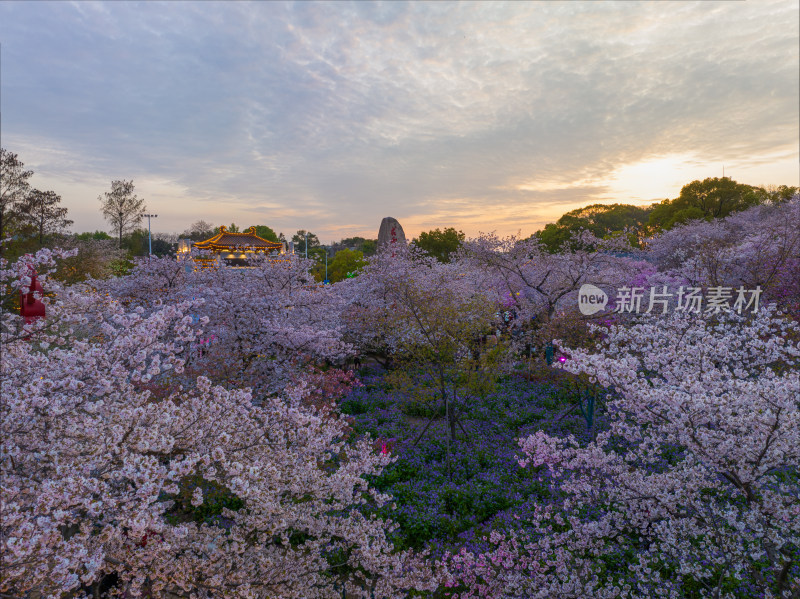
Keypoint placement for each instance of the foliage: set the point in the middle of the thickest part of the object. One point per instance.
(299, 240)
(200, 231)
(781, 193)
(97, 236)
(600, 220)
(707, 199)
(345, 263)
(440, 244)
(14, 188)
(231, 228)
(266, 232)
(41, 215)
(368, 247)
(139, 241)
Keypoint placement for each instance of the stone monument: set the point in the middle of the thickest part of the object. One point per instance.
(391, 232)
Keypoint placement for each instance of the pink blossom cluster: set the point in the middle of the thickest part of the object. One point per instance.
(758, 247)
(93, 463)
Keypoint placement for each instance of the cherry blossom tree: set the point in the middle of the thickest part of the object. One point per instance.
(110, 449)
(265, 321)
(431, 315)
(268, 321)
(541, 287)
(152, 282)
(694, 489)
(754, 248)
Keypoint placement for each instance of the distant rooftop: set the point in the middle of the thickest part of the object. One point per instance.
(227, 240)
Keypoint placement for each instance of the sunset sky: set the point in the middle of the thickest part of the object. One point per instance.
(330, 116)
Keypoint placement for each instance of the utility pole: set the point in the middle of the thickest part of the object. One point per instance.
(149, 236)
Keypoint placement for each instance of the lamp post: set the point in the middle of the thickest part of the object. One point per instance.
(149, 237)
(306, 236)
(326, 265)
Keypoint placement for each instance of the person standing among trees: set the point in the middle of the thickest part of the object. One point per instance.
(122, 208)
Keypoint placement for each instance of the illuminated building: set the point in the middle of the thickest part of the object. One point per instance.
(232, 249)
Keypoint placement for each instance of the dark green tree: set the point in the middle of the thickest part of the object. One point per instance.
(370, 247)
(96, 236)
(231, 228)
(267, 233)
(352, 242)
(440, 244)
(14, 188)
(345, 262)
(602, 220)
(41, 214)
(780, 193)
(299, 240)
(366, 246)
(136, 242)
(554, 236)
(710, 198)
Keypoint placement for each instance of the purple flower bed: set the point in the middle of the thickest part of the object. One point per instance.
(485, 487)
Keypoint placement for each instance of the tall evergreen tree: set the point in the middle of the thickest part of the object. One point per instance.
(41, 214)
(14, 188)
(299, 240)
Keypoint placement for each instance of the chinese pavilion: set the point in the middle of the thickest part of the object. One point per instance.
(233, 248)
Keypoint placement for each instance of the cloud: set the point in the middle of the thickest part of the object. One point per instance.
(330, 116)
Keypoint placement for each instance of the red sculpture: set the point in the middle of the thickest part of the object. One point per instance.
(31, 307)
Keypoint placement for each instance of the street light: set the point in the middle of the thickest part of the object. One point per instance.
(306, 235)
(149, 237)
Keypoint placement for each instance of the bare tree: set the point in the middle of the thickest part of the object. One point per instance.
(199, 230)
(13, 190)
(121, 208)
(41, 214)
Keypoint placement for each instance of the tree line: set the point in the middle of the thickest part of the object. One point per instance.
(709, 199)
(26, 213)
(30, 218)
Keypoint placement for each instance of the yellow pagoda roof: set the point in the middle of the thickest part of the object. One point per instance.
(227, 240)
